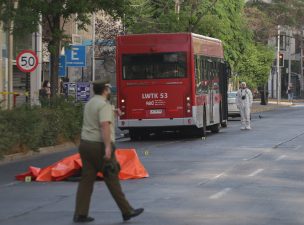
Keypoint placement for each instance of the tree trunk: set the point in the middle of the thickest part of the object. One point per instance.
(55, 51)
(54, 71)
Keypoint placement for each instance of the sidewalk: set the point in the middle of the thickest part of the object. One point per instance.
(272, 105)
(257, 107)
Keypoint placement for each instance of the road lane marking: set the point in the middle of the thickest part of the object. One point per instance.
(256, 172)
(10, 184)
(219, 175)
(210, 179)
(220, 194)
(281, 157)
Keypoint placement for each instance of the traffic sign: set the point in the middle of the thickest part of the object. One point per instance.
(83, 91)
(27, 61)
(75, 56)
(62, 66)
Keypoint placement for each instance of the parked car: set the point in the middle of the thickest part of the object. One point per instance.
(233, 111)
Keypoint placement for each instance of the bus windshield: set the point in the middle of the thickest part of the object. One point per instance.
(154, 66)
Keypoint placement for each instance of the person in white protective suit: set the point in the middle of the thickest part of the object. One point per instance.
(244, 103)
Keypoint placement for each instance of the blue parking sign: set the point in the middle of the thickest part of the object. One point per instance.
(76, 56)
(62, 66)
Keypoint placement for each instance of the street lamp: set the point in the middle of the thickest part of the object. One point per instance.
(278, 69)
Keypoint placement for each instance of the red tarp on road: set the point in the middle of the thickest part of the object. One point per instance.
(131, 168)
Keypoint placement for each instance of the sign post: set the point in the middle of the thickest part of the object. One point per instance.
(62, 69)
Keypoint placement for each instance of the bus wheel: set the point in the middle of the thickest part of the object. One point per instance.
(215, 128)
(224, 124)
(204, 128)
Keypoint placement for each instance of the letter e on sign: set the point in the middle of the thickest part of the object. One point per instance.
(27, 61)
(74, 53)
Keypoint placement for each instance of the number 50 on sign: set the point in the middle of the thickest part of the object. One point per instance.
(27, 61)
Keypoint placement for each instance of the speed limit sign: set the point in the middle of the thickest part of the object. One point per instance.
(27, 61)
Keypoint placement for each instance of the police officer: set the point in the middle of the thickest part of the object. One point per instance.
(244, 104)
(97, 154)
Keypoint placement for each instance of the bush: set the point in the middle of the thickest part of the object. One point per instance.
(28, 128)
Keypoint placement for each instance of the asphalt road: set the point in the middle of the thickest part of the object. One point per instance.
(231, 178)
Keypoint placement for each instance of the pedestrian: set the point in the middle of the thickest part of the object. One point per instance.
(290, 94)
(97, 152)
(244, 104)
(45, 93)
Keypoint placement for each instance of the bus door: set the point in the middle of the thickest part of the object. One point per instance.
(224, 76)
(210, 91)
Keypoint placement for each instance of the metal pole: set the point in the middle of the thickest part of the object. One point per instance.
(10, 57)
(301, 64)
(35, 77)
(177, 8)
(278, 68)
(289, 63)
(10, 62)
(93, 47)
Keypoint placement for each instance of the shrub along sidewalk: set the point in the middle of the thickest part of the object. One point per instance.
(29, 128)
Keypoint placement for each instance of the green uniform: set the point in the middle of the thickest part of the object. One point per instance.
(92, 151)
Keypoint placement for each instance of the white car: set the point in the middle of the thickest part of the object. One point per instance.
(233, 111)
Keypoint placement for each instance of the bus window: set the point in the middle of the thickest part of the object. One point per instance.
(198, 74)
(154, 66)
(209, 73)
(205, 74)
(216, 77)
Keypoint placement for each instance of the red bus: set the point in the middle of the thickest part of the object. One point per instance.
(171, 82)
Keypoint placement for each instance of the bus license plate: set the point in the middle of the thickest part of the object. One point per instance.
(156, 111)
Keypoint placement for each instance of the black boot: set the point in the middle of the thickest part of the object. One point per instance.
(134, 213)
(82, 219)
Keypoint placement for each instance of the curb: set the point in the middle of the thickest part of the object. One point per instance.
(41, 151)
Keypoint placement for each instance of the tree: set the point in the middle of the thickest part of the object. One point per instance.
(255, 65)
(54, 14)
(219, 19)
(107, 28)
(263, 18)
(162, 15)
(223, 19)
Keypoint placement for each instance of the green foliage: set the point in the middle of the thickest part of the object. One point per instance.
(220, 19)
(27, 128)
(255, 65)
(53, 15)
(223, 19)
(260, 24)
(263, 18)
(283, 12)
